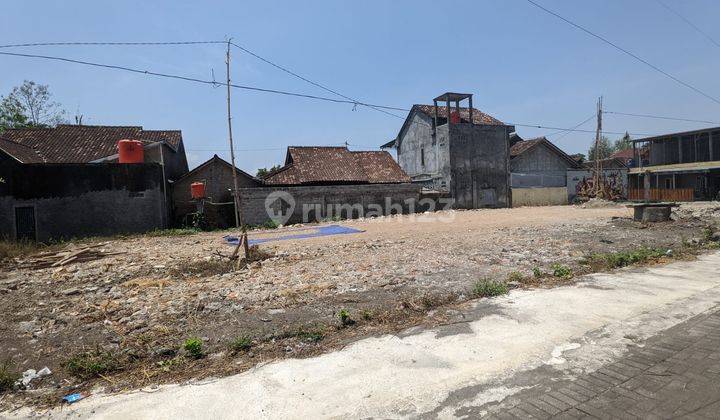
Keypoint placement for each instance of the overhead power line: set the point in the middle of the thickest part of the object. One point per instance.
(257, 89)
(196, 80)
(576, 129)
(566, 132)
(352, 100)
(292, 73)
(659, 117)
(686, 20)
(633, 55)
(54, 44)
(266, 149)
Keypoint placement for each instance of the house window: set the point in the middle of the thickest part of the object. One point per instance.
(422, 157)
(668, 183)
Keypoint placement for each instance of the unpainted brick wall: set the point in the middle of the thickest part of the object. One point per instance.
(360, 197)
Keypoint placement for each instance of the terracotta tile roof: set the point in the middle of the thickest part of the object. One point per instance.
(524, 145)
(324, 165)
(217, 159)
(85, 143)
(479, 117)
(22, 153)
(623, 154)
(381, 168)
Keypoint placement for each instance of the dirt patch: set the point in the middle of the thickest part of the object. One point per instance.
(133, 312)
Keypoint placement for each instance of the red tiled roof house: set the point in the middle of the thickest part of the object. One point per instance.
(65, 182)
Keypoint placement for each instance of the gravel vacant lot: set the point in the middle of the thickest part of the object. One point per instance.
(123, 319)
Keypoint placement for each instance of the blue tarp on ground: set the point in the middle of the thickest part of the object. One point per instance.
(309, 233)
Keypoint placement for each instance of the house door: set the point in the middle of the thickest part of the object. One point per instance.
(482, 195)
(25, 223)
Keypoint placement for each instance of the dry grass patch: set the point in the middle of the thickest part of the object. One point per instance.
(14, 249)
(203, 267)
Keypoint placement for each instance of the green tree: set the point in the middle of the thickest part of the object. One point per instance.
(262, 172)
(579, 157)
(11, 115)
(30, 105)
(605, 149)
(623, 143)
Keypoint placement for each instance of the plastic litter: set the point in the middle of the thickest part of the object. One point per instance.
(31, 374)
(74, 398)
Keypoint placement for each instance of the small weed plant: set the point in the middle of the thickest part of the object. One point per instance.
(344, 316)
(517, 277)
(173, 232)
(270, 224)
(240, 344)
(93, 363)
(489, 288)
(709, 233)
(312, 334)
(8, 376)
(193, 348)
(625, 258)
(561, 271)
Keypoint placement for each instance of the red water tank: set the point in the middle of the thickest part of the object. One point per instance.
(197, 190)
(454, 117)
(131, 151)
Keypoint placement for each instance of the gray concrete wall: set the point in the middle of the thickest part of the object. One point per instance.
(96, 213)
(479, 158)
(416, 137)
(313, 201)
(539, 167)
(76, 200)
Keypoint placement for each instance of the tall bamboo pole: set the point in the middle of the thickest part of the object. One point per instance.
(236, 193)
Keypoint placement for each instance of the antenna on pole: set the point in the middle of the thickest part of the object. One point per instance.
(242, 241)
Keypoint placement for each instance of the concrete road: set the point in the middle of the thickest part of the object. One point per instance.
(500, 356)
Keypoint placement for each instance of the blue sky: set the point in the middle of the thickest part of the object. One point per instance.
(522, 65)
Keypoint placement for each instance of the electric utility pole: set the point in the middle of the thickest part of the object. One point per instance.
(598, 137)
(236, 193)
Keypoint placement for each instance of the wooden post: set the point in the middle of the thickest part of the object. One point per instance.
(447, 109)
(470, 109)
(236, 192)
(646, 185)
(680, 153)
(710, 146)
(598, 165)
